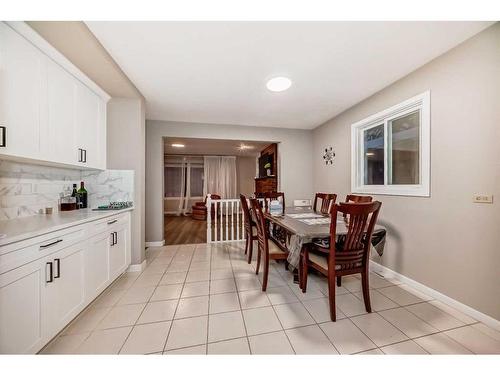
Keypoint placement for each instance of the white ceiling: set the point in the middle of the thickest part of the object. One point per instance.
(215, 72)
(199, 146)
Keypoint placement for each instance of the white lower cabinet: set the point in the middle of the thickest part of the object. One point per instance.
(65, 294)
(22, 294)
(40, 297)
(118, 252)
(97, 265)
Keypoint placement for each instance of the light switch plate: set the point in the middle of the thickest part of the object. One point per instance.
(482, 198)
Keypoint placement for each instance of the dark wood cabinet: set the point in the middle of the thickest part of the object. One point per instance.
(264, 183)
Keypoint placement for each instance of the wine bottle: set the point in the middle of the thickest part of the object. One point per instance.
(75, 194)
(83, 195)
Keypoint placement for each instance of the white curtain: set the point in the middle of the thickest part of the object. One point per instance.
(220, 176)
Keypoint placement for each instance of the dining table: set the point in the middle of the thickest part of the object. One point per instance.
(294, 227)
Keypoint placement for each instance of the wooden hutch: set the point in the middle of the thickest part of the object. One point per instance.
(267, 181)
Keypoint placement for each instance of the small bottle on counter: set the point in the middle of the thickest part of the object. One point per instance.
(75, 194)
(82, 192)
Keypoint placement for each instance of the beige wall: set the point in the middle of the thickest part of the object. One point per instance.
(445, 242)
(295, 160)
(246, 172)
(126, 150)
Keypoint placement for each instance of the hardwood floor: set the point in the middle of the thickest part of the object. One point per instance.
(181, 230)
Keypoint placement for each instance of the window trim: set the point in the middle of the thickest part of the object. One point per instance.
(420, 102)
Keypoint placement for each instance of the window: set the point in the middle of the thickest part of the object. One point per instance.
(173, 180)
(181, 172)
(391, 150)
(196, 181)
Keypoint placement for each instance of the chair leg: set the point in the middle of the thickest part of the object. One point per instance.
(266, 274)
(246, 244)
(366, 290)
(303, 275)
(339, 281)
(331, 297)
(250, 250)
(258, 262)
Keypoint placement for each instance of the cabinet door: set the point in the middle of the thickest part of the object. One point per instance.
(22, 80)
(58, 143)
(67, 298)
(87, 125)
(97, 265)
(21, 309)
(118, 252)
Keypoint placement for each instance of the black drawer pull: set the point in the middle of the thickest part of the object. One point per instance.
(51, 275)
(116, 238)
(3, 138)
(58, 268)
(50, 244)
(112, 222)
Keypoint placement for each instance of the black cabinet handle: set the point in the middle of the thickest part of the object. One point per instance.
(50, 274)
(84, 155)
(57, 261)
(112, 222)
(112, 238)
(80, 155)
(116, 238)
(50, 244)
(3, 139)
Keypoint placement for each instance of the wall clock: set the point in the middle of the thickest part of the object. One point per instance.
(328, 155)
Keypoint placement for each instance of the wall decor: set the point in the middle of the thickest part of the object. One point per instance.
(328, 155)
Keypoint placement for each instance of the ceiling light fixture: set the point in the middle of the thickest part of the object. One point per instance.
(278, 84)
(178, 145)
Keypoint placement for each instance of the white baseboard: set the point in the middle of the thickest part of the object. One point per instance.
(155, 243)
(473, 313)
(137, 267)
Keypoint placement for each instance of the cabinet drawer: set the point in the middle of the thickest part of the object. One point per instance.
(109, 223)
(15, 255)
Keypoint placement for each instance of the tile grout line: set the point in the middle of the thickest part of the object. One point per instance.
(178, 301)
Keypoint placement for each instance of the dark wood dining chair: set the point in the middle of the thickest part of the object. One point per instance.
(326, 201)
(272, 196)
(250, 227)
(351, 257)
(267, 249)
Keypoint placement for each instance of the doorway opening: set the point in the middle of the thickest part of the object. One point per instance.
(195, 167)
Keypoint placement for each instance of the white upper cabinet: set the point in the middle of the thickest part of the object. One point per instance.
(22, 80)
(58, 141)
(87, 126)
(49, 110)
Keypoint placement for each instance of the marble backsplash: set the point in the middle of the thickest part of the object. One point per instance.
(25, 189)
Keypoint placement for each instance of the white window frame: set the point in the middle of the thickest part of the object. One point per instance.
(420, 102)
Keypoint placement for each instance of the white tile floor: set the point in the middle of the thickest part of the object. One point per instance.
(205, 299)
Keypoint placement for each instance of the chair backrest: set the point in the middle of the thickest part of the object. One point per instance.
(272, 196)
(247, 218)
(326, 201)
(354, 249)
(261, 225)
(358, 198)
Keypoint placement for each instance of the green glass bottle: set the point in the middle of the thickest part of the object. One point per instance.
(83, 195)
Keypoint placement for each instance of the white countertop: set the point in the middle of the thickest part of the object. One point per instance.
(27, 227)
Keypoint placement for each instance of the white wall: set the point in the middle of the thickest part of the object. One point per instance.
(294, 149)
(126, 150)
(445, 242)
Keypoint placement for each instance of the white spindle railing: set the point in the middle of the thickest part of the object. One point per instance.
(227, 222)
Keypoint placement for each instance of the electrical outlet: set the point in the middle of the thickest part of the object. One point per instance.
(479, 198)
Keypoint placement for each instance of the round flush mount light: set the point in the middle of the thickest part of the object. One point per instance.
(178, 145)
(278, 84)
